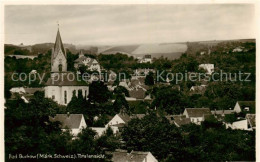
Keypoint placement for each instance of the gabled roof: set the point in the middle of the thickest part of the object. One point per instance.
(65, 79)
(83, 60)
(198, 112)
(250, 104)
(220, 112)
(251, 119)
(126, 118)
(137, 93)
(58, 45)
(70, 121)
(32, 90)
(181, 120)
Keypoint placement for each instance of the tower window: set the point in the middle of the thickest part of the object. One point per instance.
(60, 67)
(53, 97)
(65, 97)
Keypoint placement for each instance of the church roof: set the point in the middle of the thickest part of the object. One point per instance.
(65, 79)
(58, 45)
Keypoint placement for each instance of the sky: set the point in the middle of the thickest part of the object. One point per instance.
(127, 24)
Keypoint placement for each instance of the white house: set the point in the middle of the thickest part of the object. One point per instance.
(245, 106)
(92, 64)
(73, 122)
(196, 115)
(117, 122)
(133, 156)
(208, 67)
(146, 59)
(119, 119)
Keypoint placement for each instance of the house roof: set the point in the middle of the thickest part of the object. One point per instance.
(32, 90)
(220, 112)
(251, 119)
(133, 156)
(71, 121)
(137, 93)
(126, 118)
(181, 120)
(198, 112)
(250, 104)
(65, 79)
(82, 60)
(178, 119)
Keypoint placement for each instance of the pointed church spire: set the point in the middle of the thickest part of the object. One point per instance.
(58, 44)
(59, 56)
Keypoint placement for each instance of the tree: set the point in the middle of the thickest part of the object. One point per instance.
(154, 134)
(98, 92)
(120, 103)
(121, 90)
(149, 80)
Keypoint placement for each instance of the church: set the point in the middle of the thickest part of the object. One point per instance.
(62, 83)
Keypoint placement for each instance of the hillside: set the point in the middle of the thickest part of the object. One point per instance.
(10, 49)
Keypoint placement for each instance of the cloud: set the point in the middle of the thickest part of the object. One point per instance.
(127, 24)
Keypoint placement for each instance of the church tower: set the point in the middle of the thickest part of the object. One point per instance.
(59, 56)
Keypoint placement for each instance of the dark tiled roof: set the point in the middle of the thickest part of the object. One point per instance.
(68, 121)
(178, 119)
(251, 119)
(126, 118)
(65, 79)
(198, 112)
(181, 120)
(138, 93)
(133, 156)
(250, 104)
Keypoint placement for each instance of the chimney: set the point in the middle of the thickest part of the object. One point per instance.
(68, 114)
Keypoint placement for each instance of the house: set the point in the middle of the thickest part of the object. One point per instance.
(238, 49)
(62, 84)
(241, 124)
(116, 124)
(178, 120)
(146, 59)
(208, 67)
(220, 114)
(19, 90)
(251, 120)
(91, 63)
(245, 106)
(196, 115)
(133, 156)
(24, 93)
(73, 122)
(121, 118)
